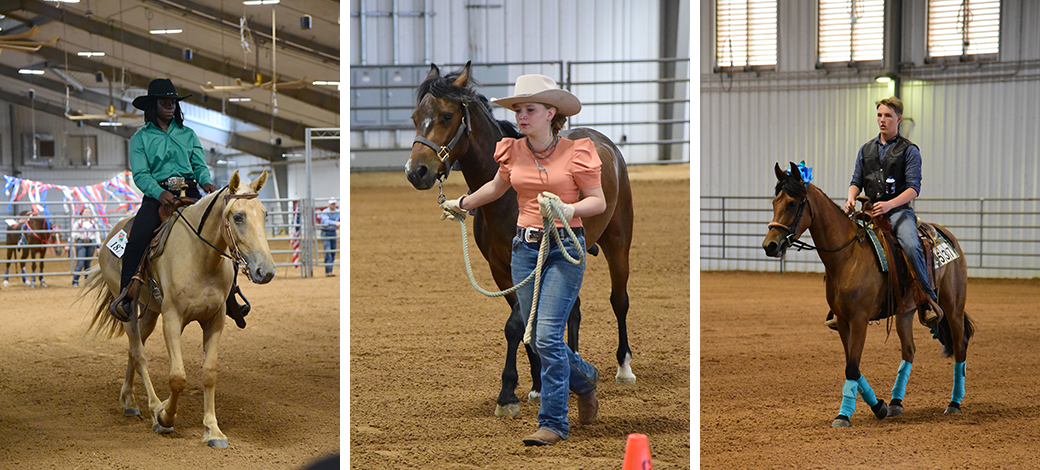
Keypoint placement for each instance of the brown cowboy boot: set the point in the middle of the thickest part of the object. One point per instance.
(122, 307)
(831, 321)
(235, 310)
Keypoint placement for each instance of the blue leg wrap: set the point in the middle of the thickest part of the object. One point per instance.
(958, 382)
(848, 398)
(899, 389)
(865, 391)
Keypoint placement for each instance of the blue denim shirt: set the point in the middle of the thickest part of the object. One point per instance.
(326, 220)
(913, 164)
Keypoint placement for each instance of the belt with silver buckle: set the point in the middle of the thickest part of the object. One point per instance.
(534, 234)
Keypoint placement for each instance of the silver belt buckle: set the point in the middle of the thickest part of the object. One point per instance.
(529, 235)
(175, 182)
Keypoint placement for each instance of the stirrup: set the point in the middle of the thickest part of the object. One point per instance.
(116, 307)
(932, 306)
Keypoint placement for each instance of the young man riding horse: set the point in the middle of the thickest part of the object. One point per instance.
(888, 168)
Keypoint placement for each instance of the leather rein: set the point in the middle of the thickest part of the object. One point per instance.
(800, 245)
(236, 255)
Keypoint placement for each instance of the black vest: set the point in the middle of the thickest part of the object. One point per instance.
(875, 172)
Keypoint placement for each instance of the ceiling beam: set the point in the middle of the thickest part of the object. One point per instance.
(265, 150)
(229, 21)
(201, 59)
(292, 129)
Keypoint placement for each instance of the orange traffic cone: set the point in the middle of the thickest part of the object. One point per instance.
(637, 453)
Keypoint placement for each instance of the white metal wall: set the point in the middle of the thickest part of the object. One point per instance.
(495, 31)
(978, 127)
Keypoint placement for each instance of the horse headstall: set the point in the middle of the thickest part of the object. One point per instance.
(444, 151)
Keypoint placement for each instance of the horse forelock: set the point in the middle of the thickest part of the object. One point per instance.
(444, 88)
(794, 187)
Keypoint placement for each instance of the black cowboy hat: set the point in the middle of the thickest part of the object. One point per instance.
(158, 88)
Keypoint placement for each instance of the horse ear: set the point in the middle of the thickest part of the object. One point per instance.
(233, 184)
(779, 173)
(259, 182)
(464, 76)
(796, 171)
(434, 72)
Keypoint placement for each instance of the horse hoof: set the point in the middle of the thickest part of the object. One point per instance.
(217, 443)
(160, 429)
(624, 380)
(880, 409)
(534, 397)
(511, 410)
(953, 409)
(5, 283)
(840, 422)
(132, 412)
(43, 284)
(895, 410)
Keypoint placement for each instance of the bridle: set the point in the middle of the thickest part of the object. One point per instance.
(800, 245)
(236, 255)
(444, 151)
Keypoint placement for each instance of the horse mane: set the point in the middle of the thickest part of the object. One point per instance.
(444, 87)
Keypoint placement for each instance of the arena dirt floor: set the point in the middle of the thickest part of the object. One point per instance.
(277, 396)
(771, 377)
(427, 350)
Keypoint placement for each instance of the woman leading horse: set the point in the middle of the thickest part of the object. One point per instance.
(857, 290)
(454, 126)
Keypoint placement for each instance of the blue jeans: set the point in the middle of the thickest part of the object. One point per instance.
(904, 224)
(330, 250)
(562, 369)
(84, 264)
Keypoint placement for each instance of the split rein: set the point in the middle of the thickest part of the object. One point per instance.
(800, 245)
(236, 255)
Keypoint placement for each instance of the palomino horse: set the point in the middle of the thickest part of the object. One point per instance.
(449, 109)
(189, 282)
(31, 234)
(857, 290)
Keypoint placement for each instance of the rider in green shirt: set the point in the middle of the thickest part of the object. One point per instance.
(164, 148)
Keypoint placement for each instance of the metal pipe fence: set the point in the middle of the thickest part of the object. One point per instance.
(1000, 236)
(648, 118)
(283, 227)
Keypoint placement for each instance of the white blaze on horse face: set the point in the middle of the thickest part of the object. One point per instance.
(424, 126)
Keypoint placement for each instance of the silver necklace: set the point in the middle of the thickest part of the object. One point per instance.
(544, 153)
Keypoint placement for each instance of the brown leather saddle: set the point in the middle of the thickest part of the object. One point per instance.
(901, 275)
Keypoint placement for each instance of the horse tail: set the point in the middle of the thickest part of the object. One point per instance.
(945, 334)
(101, 322)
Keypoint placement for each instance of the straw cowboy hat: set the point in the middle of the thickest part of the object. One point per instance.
(157, 89)
(541, 89)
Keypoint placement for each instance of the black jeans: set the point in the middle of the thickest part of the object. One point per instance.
(142, 232)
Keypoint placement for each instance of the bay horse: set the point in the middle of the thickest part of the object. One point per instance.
(857, 290)
(450, 108)
(189, 282)
(31, 235)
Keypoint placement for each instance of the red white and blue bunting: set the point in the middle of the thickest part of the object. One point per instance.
(119, 188)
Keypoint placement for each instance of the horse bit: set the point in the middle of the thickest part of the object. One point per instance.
(800, 245)
(443, 151)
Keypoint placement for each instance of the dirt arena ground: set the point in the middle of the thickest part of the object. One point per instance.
(427, 350)
(278, 392)
(771, 377)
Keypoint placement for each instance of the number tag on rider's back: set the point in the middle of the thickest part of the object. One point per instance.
(117, 244)
(944, 252)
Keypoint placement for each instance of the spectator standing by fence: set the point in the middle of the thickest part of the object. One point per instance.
(86, 237)
(328, 219)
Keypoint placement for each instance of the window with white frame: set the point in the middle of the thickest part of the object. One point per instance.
(851, 30)
(963, 27)
(745, 33)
